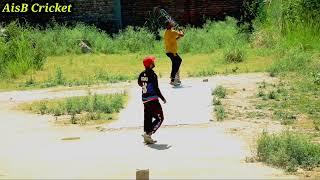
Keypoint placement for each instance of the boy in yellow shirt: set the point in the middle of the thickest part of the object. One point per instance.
(170, 40)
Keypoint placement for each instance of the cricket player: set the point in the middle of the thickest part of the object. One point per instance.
(151, 93)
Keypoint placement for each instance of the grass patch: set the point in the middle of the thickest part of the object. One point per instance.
(316, 123)
(234, 55)
(80, 109)
(261, 94)
(216, 101)
(24, 48)
(288, 150)
(295, 94)
(220, 112)
(220, 92)
(76, 70)
(255, 114)
(272, 95)
(294, 60)
(286, 118)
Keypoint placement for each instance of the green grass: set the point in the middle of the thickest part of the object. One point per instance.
(234, 55)
(296, 94)
(288, 150)
(220, 112)
(216, 101)
(92, 107)
(26, 47)
(286, 118)
(255, 114)
(75, 70)
(205, 51)
(220, 92)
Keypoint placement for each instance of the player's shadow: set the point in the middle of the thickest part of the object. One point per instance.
(160, 146)
(181, 87)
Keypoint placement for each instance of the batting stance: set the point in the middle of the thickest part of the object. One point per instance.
(170, 40)
(148, 80)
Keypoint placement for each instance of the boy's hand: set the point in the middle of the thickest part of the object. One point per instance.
(181, 33)
(164, 101)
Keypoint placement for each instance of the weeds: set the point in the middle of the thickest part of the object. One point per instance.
(220, 112)
(295, 60)
(216, 101)
(59, 79)
(261, 94)
(255, 114)
(28, 47)
(263, 85)
(203, 72)
(92, 107)
(19, 52)
(220, 92)
(286, 118)
(43, 109)
(288, 150)
(234, 55)
(316, 78)
(272, 95)
(30, 82)
(316, 123)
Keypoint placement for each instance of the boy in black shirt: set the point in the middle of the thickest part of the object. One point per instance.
(151, 93)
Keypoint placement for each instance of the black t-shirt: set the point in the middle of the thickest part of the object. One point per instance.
(148, 80)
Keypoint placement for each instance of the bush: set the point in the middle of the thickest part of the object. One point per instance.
(288, 150)
(220, 112)
(135, 40)
(93, 107)
(212, 36)
(19, 52)
(220, 92)
(216, 101)
(261, 94)
(59, 79)
(234, 55)
(272, 95)
(294, 60)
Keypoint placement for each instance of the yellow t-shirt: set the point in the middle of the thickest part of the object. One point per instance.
(170, 41)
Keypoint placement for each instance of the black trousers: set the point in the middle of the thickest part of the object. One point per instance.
(152, 110)
(176, 62)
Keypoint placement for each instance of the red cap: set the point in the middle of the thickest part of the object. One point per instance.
(147, 61)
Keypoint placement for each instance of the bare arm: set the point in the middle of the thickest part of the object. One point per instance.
(179, 34)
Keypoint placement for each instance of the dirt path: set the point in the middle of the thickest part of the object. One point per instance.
(31, 146)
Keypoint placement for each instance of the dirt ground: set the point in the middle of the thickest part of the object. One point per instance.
(32, 145)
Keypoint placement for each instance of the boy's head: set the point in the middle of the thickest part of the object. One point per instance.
(169, 24)
(148, 62)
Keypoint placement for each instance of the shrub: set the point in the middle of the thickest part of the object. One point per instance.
(220, 112)
(234, 55)
(220, 92)
(288, 150)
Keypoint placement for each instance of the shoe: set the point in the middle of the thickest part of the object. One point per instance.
(175, 83)
(147, 139)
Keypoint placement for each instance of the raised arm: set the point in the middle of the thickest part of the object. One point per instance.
(178, 34)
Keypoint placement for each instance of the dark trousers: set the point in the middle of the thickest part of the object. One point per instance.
(176, 62)
(152, 109)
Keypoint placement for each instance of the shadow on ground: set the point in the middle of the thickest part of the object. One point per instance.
(159, 146)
